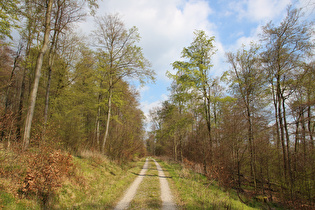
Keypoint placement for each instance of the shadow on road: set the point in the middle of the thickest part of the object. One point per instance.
(150, 175)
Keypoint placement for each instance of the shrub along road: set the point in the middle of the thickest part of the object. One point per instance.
(147, 195)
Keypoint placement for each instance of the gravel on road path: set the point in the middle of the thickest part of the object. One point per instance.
(166, 195)
(132, 190)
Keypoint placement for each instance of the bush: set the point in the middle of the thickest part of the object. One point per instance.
(45, 174)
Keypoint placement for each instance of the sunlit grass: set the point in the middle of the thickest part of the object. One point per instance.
(102, 184)
(95, 183)
(194, 191)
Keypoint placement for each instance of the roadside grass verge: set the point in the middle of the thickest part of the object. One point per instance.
(194, 191)
(98, 184)
(149, 193)
(95, 183)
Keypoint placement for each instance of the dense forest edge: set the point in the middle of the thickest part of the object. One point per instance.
(68, 115)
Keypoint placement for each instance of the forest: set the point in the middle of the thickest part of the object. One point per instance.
(251, 129)
(58, 88)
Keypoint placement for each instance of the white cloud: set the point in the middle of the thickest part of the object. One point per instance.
(265, 10)
(143, 88)
(257, 10)
(253, 37)
(218, 60)
(166, 26)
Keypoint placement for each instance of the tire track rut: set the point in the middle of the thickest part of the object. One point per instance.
(166, 195)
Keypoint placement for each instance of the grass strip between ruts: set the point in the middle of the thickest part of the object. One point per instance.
(148, 194)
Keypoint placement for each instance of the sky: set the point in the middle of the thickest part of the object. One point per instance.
(167, 26)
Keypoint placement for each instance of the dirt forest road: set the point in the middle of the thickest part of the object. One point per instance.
(166, 195)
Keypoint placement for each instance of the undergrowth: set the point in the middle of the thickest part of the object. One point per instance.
(52, 179)
(47, 169)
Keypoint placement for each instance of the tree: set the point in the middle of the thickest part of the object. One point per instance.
(39, 63)
(247, 81)
(65, 13)
(60, 24)
(127, 130)
(120, 57)
(30, 35)
(287, 45)
(194, 74)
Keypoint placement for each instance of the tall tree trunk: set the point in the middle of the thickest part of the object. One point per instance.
(281, 132)
(208, 121)
(207, 111)
(180, 135)
(98, 127)
(39, 63)
(309, 117)
(275, 103)
(21, 106)
(288, 145)
(98, 117)
(296, 143)
(175, 148)
(251, 145)
(21, 101)
(110, 92)
(51, 59)
(47, 99)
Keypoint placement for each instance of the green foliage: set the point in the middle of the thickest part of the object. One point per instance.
(118, 58)
(128, 118)
(193, 73)
(8, 17)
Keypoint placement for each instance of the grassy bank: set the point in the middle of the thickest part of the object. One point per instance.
(99, 184)
(194, 191)
(94, 183)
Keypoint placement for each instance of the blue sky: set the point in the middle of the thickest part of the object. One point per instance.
(167, 26)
